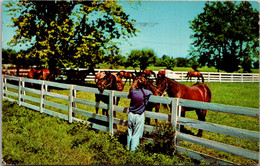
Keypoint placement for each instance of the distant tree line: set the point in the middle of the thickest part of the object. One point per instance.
(136, 59)
(226, 36)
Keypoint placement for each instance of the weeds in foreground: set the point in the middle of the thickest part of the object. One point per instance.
(38, 139)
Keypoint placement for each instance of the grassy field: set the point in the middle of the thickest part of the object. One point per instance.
(31, 138)
(156, 68)
(237, 94)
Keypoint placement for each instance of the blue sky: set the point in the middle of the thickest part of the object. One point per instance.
(163, 24)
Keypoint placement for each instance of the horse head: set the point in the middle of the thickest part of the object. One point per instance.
(139, 79)
(107, 82)
(161, 84)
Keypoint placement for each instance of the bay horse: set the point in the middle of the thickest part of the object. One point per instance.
(78, 75)
(197, 74)
(148, 73)
(198, 92)
(150, 85)
(161, 73)
(126, 75)
(110, 82)
(102, 74)
(99, 75)
(40, 74)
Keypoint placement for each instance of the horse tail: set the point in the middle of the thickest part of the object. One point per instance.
(202, 77)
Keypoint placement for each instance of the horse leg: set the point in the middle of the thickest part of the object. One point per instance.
(116, 101)
(157, 107)
(148, 108)
(182, 115)
(105, 112)
(97, 96)
(201, 116)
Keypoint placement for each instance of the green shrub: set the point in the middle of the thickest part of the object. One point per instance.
(163, 139)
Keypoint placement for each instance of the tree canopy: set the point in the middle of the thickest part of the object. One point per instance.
(142, 58)
(69, 33)
(226, 35)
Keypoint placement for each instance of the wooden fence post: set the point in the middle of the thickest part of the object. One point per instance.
(4, 87)
(74, 103)
(43, 97)
(71, 103)
(111, 112)
(174, 118)
(19, 91)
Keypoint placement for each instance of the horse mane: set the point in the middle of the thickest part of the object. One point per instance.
(173, 80)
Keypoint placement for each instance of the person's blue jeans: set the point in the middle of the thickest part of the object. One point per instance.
(135, 130)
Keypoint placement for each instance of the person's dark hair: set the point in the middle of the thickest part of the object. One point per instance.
(140, 83)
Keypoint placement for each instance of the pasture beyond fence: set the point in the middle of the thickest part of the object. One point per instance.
(179, 76)
(15, 89)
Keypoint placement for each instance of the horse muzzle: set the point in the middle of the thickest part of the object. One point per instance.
(101, 89)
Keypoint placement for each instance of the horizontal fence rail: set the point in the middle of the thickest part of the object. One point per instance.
(15, 89)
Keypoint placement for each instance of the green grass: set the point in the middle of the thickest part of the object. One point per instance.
(31, 138)
(156, 68)
(236, 94)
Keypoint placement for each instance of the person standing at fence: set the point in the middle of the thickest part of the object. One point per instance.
(139, 99)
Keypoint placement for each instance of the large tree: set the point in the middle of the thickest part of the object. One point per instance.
(69, 33)
(142, 58)
(226, 35)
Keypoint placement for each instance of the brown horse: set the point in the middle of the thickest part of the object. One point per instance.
(98, 76)
(40, 74)
(149, 73)
(195, 74)
(198, 92)
(161, 73)
(126, 75)
(78, 76)
(102, 74)
(110, 82)
(150, 85)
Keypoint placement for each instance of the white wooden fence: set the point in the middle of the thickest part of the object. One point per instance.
(180, 76)
(221, 77)
(14, 89)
